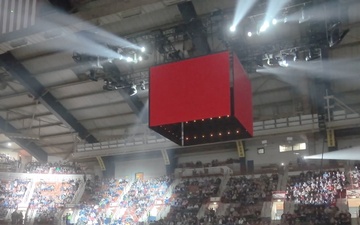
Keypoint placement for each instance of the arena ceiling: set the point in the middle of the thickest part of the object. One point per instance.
(51, 104)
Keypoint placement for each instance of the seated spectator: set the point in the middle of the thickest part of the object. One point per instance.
(249, 191)
(316, 215)
(53, 168)
(316, 188)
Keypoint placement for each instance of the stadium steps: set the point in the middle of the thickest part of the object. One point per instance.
(163, 213)
(29, 193)
(341, 203)
(120, 211)
(289, 207)
(202, 210)
(79, 193)
(223, 207)
(74, 218)
(266, 210)
(223, 183)
(284, 180)
(31, 217)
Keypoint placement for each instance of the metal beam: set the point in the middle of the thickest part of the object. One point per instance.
(195, 28)
(29, 146)
(20, 73)
(134, 102)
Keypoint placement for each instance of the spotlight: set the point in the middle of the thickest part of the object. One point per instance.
(271, 61)
(108, 85)
(92, 75)
(233, 28)
(143, 49)
(274, 21)
(142, 85)
(249, 34)
(133, 90)
(9, 144)
(129, 59)
(264, 27)
(259, 61)
(312, 55)
(296, 55)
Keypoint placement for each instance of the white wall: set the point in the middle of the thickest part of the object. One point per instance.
(11, 153)
(348, 142)
(272, 155)
(151, 167)
(207, 157)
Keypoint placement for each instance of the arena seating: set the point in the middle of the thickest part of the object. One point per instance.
(314, 193)
(188, 197)
(316, 215)
(355, 177)
(11, 194)
(8, 163)
(213, 163)
(53, 168)
(48, 197)
(142, 195)
(99, 196)
(238, 214)
(249, 191)
(316, 188)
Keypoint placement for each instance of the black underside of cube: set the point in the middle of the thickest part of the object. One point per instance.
(210, 130)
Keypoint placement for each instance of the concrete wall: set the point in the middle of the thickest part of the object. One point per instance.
(151, 167)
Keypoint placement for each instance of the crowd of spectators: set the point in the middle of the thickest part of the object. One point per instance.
(239, 214)
(98, 196)
(355, 177)
(316, 188)
(236, 215)
(143, 194)
(100, 207)
(53, 168)
(11, 194)
(49, 197)
(188, 197)
(250, 191)
(213, 163)
(8, 163)
(316, 215)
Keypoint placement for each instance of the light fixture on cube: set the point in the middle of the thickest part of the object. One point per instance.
(201, 100)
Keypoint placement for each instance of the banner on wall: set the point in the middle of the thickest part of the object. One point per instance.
(279, 195)
(139, 176)
(353, 193)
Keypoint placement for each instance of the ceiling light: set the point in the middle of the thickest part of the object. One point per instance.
(249, 34)
(274, 21)
(142, 49)
(140, 58)
(142, 85)
(264, 27)
(9, 144)
(233, 28)
(129, 59)
(133, 90)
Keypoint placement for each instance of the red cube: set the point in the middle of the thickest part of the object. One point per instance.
(201, 100)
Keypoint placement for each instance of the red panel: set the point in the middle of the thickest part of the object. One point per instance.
(190, 89)
(242, 96)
